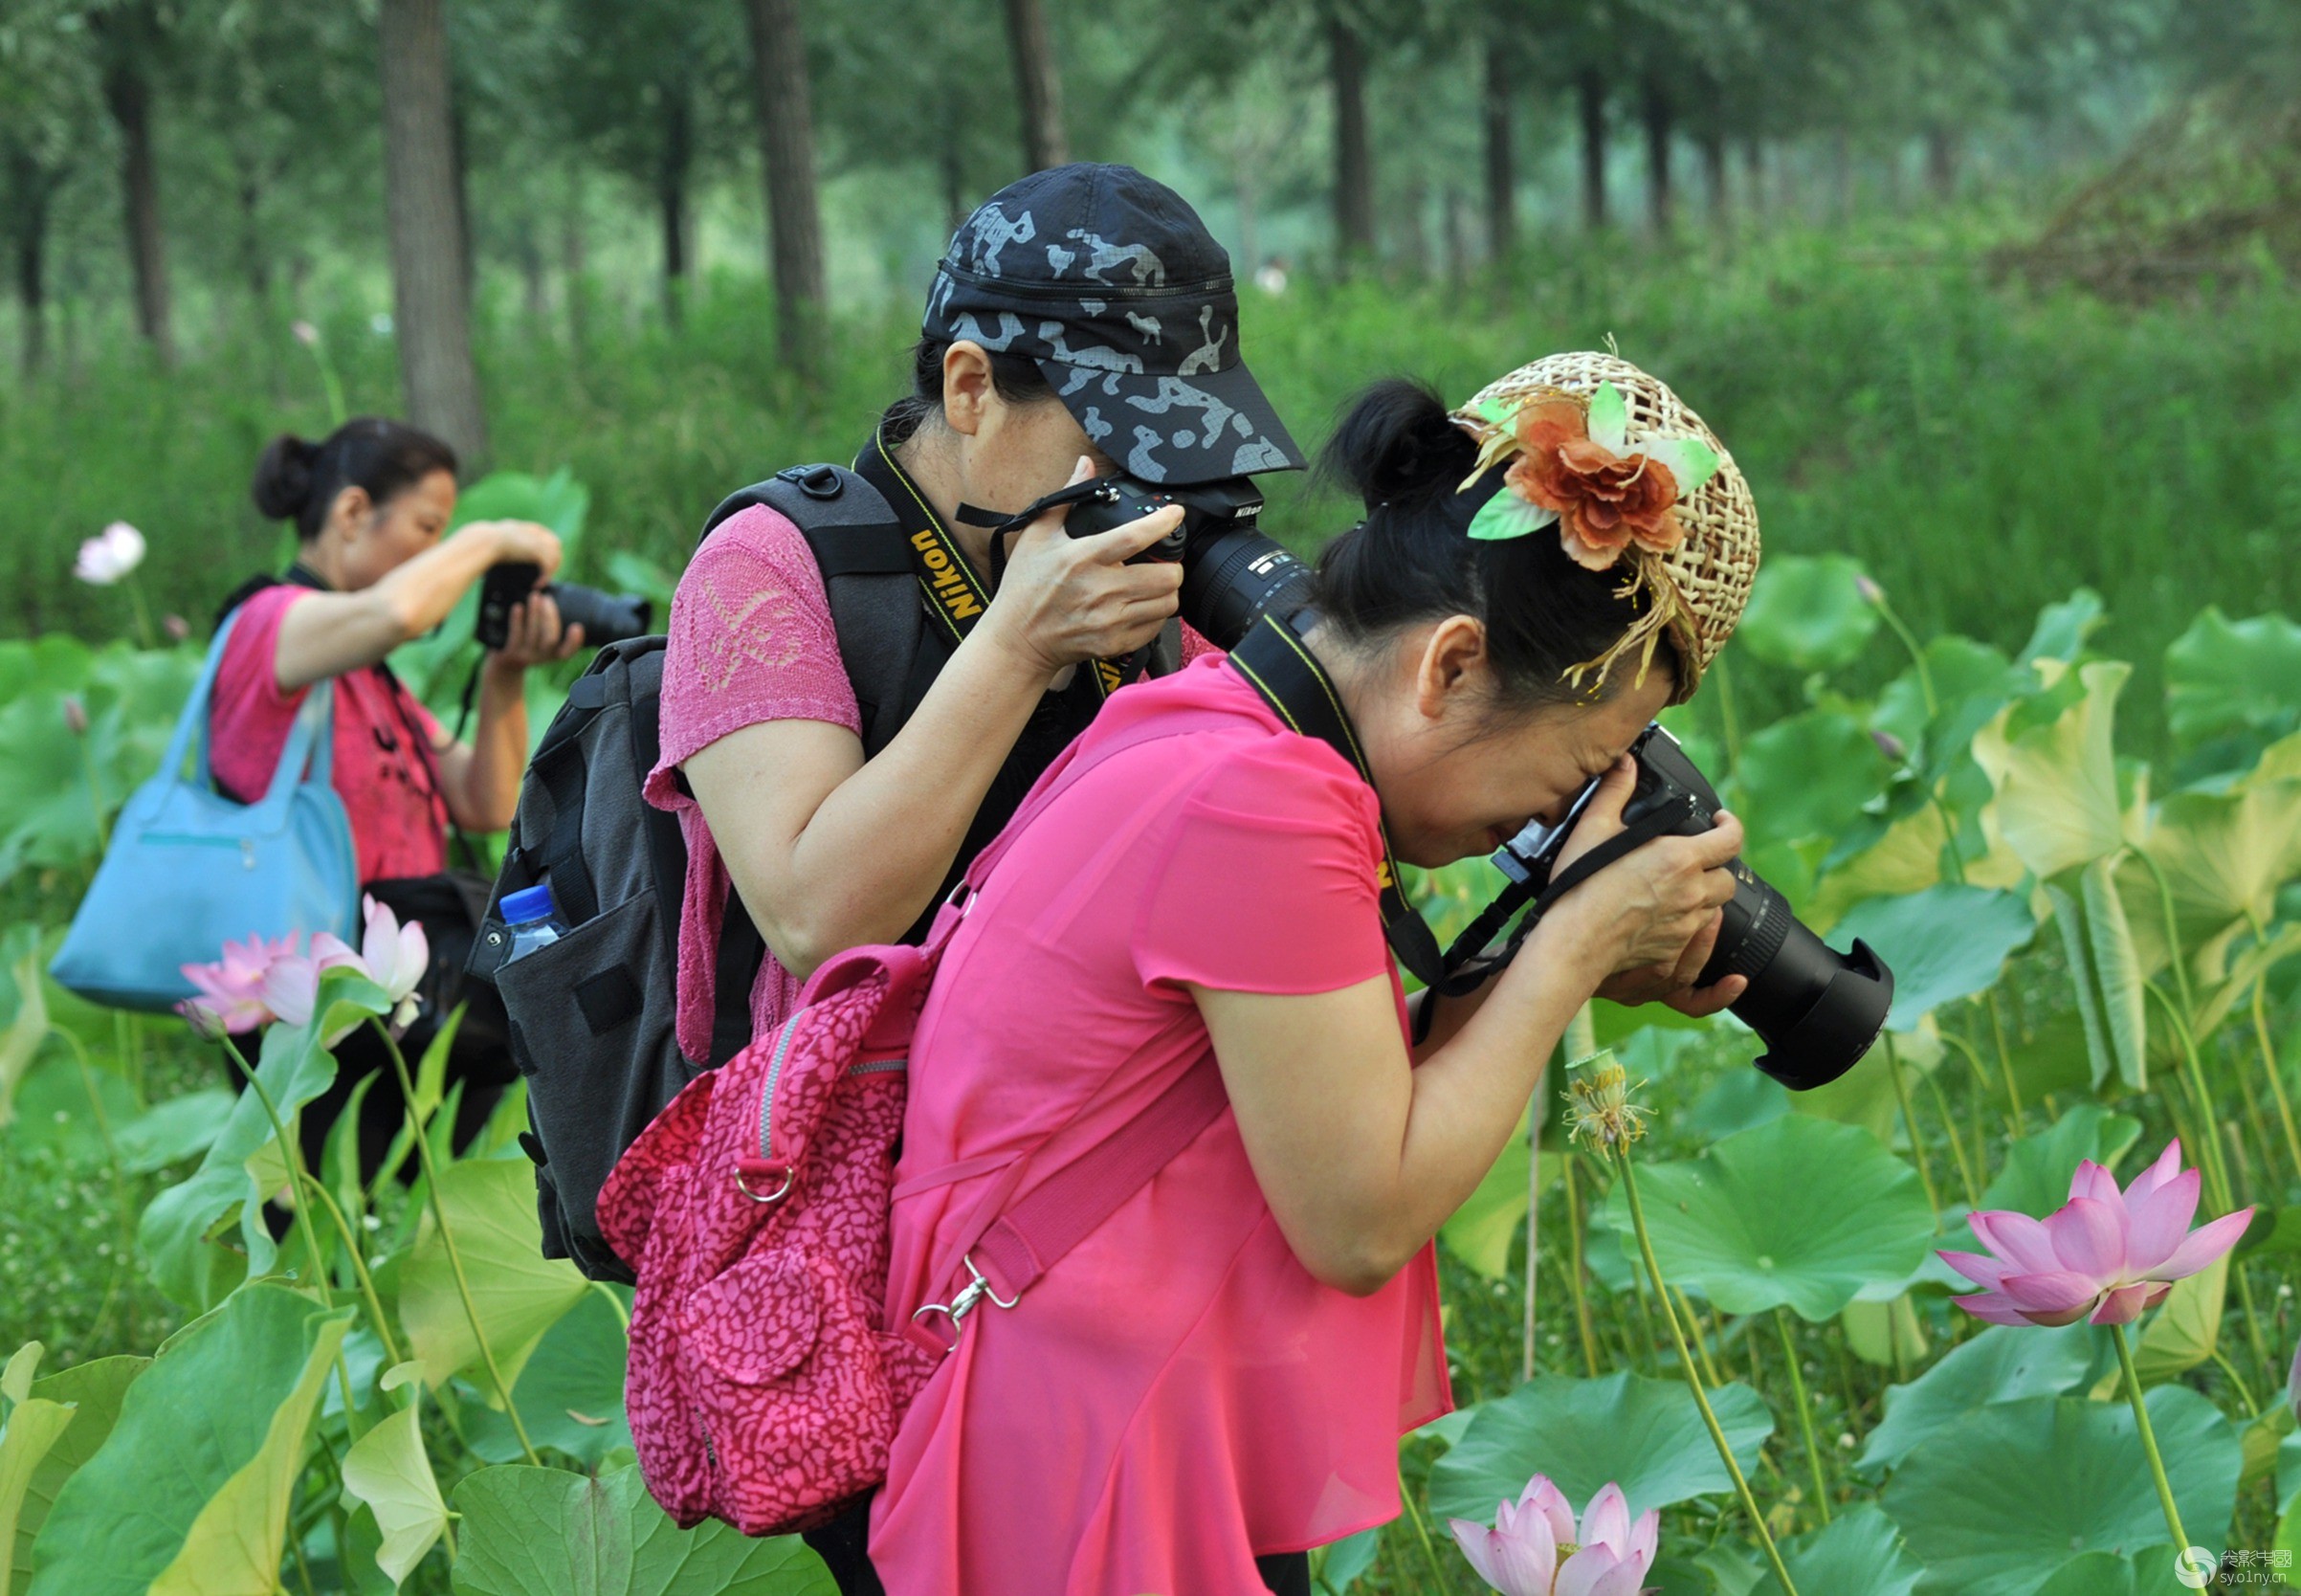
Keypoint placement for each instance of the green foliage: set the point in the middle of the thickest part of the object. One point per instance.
(517, 1292)
(1807, 613)
(1859, 1555)
(1946, 942)
(2004, 1364)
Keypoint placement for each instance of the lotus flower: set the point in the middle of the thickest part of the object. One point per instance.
(232, 990)
(1534, 1550)
(305, 333)
(110, 555)
(395, 957)
(291, 985)
(2105, 1254)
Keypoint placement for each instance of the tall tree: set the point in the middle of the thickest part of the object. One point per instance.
(430, 305)
(1500, 89)
(1589, 99)
(786, 148)
(1038, 84)
(130, 39)
(1658, 114)
(1354, 153)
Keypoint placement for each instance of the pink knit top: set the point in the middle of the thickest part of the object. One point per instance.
(1177, 1395)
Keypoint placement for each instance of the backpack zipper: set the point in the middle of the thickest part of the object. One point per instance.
(767, 1101)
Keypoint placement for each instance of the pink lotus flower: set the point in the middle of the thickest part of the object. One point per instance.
(232, 990)
(110, 555)
(305, 333)
(395, 957)
(291, 985)
(1534, 1550)
(2105, 1254)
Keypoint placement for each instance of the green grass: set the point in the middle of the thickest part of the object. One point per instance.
(1982, 450)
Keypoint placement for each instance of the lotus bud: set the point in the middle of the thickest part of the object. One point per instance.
(305, 333)
(177, 628)
(1871, 593)
(75, 714)
(1890, 746)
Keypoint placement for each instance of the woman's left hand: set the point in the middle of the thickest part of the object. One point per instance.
(1672, 984)
(534, 635)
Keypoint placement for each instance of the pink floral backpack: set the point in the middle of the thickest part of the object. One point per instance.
(765, 1387)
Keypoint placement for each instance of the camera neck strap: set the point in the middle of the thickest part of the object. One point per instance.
(956, 596)
(1275, 663)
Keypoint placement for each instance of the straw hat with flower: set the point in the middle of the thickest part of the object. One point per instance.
(1633, 482)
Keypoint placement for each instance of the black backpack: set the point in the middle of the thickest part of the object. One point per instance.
(591, 1017)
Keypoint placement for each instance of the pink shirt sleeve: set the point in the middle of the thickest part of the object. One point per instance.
(1268, 880)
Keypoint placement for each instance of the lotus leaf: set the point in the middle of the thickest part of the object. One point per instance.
(1943, 943)
(94, 1391)
(1807, 613)
(1807, 776)
(1860, 1553)
(517, 1292)
(2002, 1363)
(2225, 677)
(570, 1395)
(387, 1470)
(2056, 783)
(2062, 628)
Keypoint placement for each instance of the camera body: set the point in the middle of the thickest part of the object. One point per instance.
(605, 617)
(1233, 573)
(1818, 1010)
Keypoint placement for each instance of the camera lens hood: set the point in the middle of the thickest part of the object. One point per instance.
(1833, 1034)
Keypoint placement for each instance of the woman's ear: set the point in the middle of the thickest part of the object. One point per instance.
(349, 513)
(1453, 672)
(966, 385)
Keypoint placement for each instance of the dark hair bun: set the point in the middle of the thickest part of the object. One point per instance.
(283, 477)
(1398, 444)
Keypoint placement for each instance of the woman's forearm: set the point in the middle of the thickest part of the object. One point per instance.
(329, 633)
(481, 777)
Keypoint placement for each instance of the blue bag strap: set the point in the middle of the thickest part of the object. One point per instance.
(311, 739)
(193, 721)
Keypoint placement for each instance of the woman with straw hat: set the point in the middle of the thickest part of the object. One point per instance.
(1214, 1380)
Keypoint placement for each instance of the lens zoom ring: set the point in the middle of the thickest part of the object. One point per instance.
(1767, 932)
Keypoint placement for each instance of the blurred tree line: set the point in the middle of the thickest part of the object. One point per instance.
(231, 145)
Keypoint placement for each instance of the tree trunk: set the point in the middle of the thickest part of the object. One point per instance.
(1841, 175)
(1656, 113)
(787, 147)
(1714, 175)
(256, 250)
(573, 263)
(1354, 156)
(1941, 162)
(128, 95)
(1039, 85)
(1589, 89)
(1501, 163)
(431, 308)
(30, 187)
(677, 160)
(1753, 176)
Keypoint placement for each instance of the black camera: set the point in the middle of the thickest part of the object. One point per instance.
(605, 617)
(1232, 574)
(1818, 1010)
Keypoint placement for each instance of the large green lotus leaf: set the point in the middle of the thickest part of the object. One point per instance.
(1972, 681)
(2035, 1178)
(34, 1426)
(1886, 1332)
(2062, 628)
(94, 1391)
(544, 1532)
(1860, 1553)
(2186, 1327)
(2226, 855)
(389, 1471)
(25, 1006)
(1806, 611)
(517, 1292)
(569, 1395)
(2057, 798)
(174, 1130)
(2116, 973)
(1864, 1096)
(47, 813)
(1645, 1436)
(2216, 1003)
(2225, 677)
(1807, 776)
(2004, 1362)
(2147, 1573)
(134, 697)
(58, 661)
(1943, 943)
(176, 1231)
(197, 1469)
(1905, 857)
(1995, 1503)
(1798, 1213)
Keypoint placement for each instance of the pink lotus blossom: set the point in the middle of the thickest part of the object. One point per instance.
(177, 628)
(305, 333)
(75, 714)
(110, 555)
(1534, 1549)
(395, 957)
(291, 985)
(232, 990)
(2105, 1254)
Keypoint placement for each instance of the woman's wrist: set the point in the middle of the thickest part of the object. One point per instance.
(1010, 654)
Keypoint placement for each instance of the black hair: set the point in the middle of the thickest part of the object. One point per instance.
(1015, 378)
(1410, 560)
(297, 479)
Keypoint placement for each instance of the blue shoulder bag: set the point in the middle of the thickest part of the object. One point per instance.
(188, 869)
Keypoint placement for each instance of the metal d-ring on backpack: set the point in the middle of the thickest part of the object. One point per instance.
(190, 868)
(764, 1387)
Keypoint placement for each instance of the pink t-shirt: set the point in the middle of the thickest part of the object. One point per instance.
(750, 639)
(389, 786)
(1177, 1395)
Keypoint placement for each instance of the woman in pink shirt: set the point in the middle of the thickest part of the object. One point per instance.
(373, 570)
(1215, 1379)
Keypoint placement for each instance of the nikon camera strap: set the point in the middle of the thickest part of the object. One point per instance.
(1291, 681)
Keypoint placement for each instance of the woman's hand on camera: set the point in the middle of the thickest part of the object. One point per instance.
(533, 635)
(520, 542)
(1063, 599)
(1649, 920)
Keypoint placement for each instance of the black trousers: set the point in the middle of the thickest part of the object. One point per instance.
(839, 1543)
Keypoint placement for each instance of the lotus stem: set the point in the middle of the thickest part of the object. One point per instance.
(1949, 1124)
(1723, 675)
(359, 1268)
(1997, 1032)
(1421, 1531)
(2173, 930)
(2209, 1153)
(1535, 1109)
(1918, 654)
(1806, 1409)
(2149, 1437)
(1694, 1382)
(1573, 1273)
(2243, 1391)
(1982, 1083)
(2269, 1064)
(1909, 1120)
(1701, 1343)
(447, 1240)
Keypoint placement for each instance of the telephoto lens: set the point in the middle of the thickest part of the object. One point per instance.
(1232, 574)
(605, 617)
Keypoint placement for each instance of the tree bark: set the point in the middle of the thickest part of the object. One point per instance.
(128, 97)
(1039, 85)
(1658, 115)
(1941, 162)
(31, 187)
(787, 147)
(256, 250)
(1589, 90)
(1754, 175)
(1354, 156)
(1714, 175)
(672, 168)
(1502, 163)
(430, 305)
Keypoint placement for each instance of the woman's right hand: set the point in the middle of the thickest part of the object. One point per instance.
(520, 542)
(1063, 599)
(1652, 907)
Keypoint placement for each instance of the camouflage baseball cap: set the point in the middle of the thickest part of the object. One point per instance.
(1114, 286)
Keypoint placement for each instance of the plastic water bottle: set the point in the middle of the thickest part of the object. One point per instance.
(533, 919)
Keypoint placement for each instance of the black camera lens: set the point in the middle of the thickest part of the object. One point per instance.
(605, 617)
(1231, 581)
